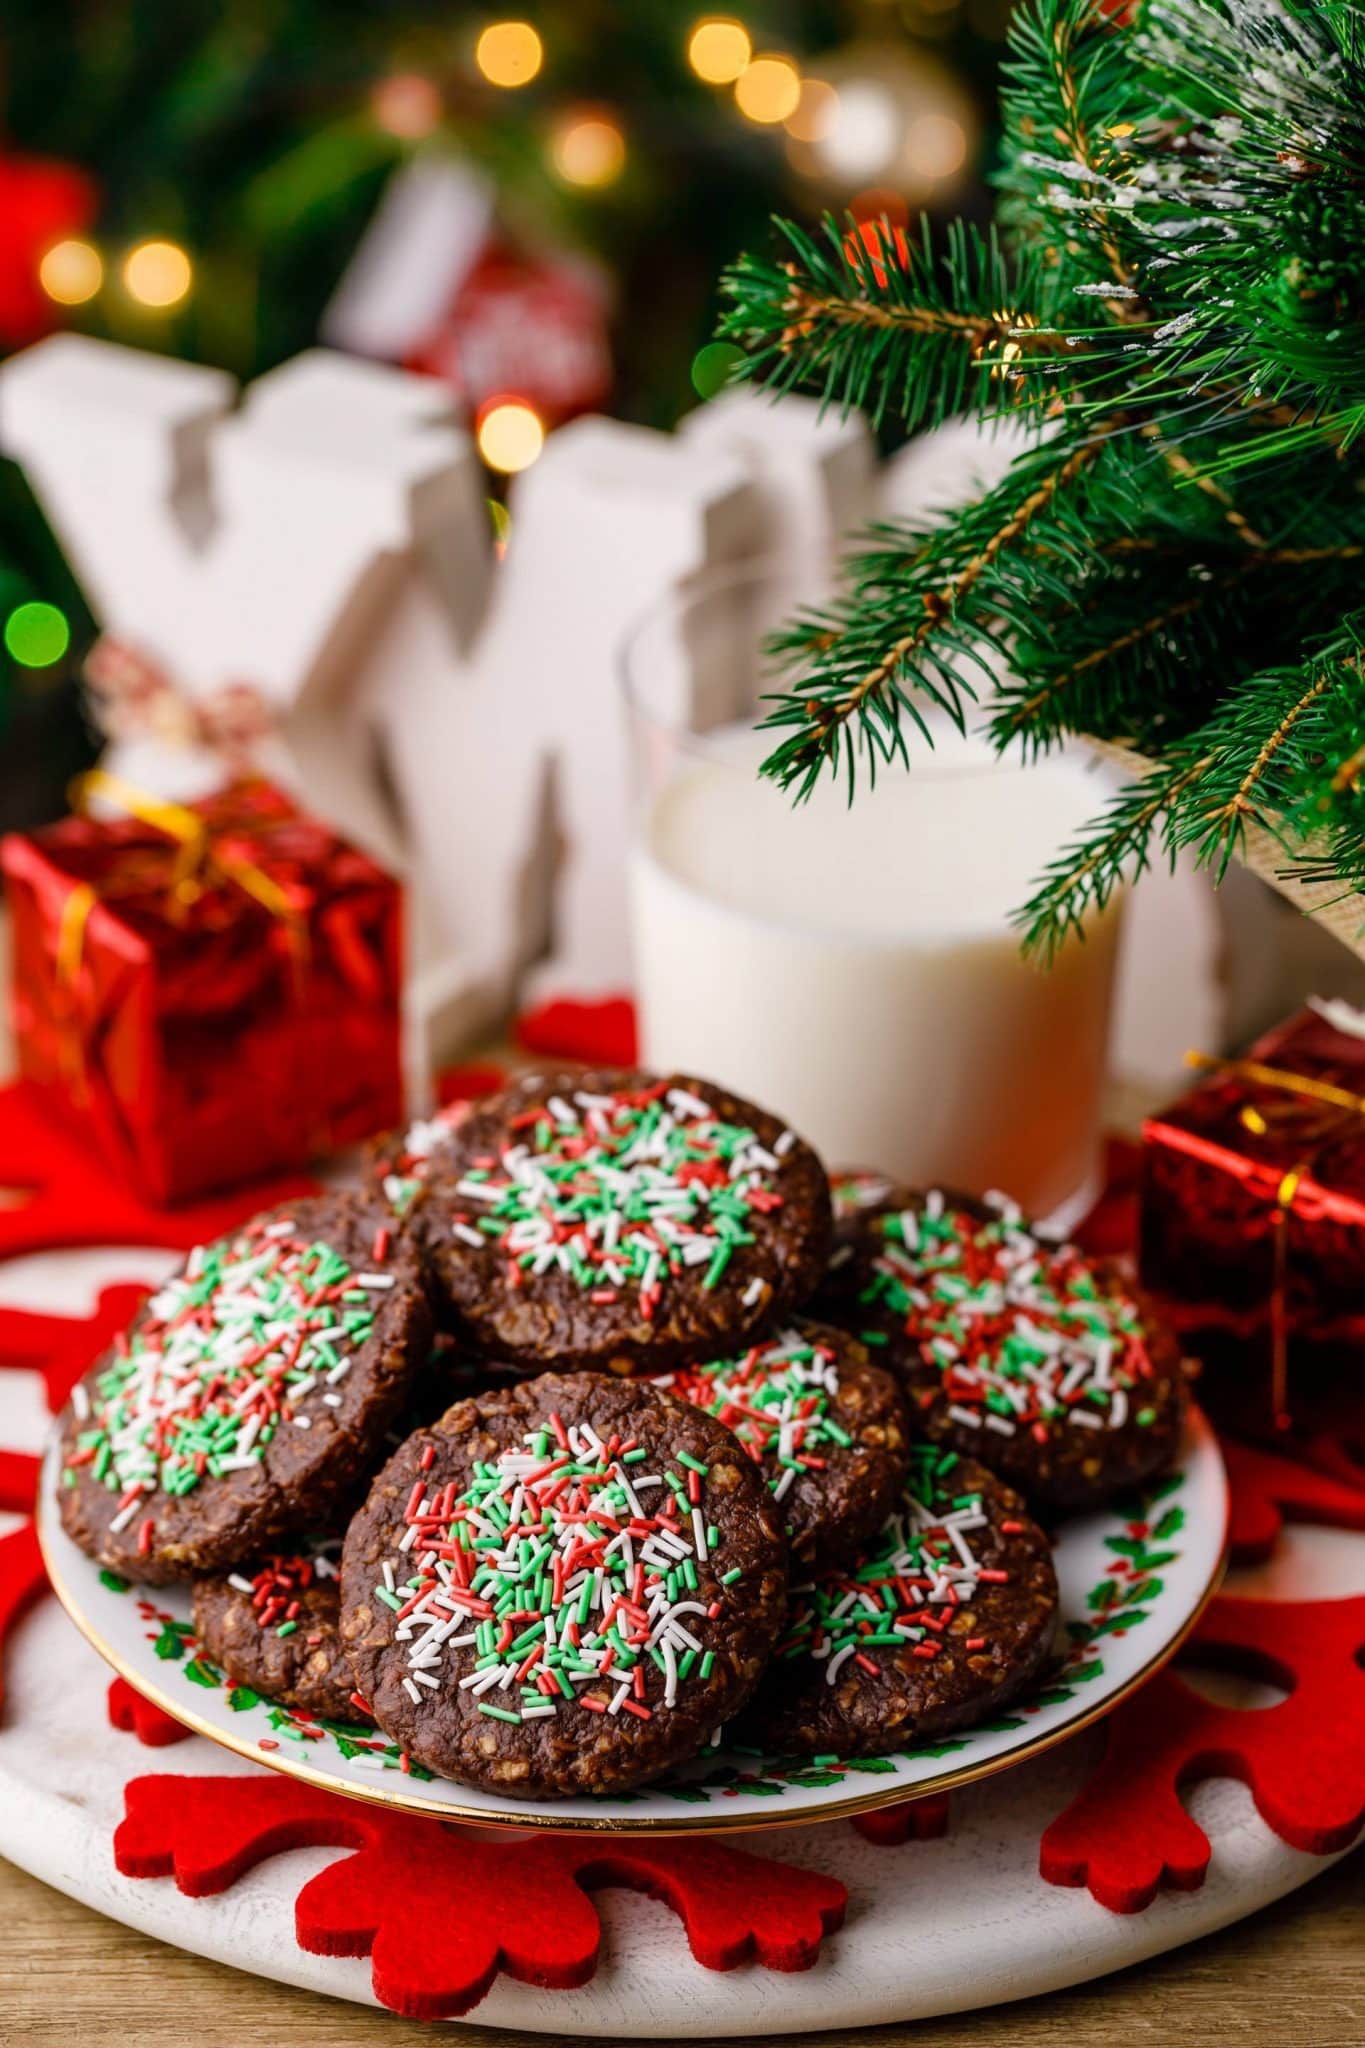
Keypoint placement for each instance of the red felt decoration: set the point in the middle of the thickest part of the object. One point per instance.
(517, 1907)
(61, 1347)
(914, 1820)
(135, 1715)
(23, 1577)
(1267, 1490)
(460, 1084)
(71, 1199)
(1128, 1833)
(603, 1034)
(18, 1481)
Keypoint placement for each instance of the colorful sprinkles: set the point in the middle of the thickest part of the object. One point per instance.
(561, 1574)
(622, 1192)
(256, 1330)
(779, 1400)
(278, 1588)
(1022, 1334)
(903, 1596)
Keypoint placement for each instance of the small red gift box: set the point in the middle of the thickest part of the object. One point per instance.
(212, 990)
(1253, 1194)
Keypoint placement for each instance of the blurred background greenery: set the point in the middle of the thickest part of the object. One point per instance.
(198, 178)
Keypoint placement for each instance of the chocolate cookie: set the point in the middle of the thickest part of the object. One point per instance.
(249, 1397)
(620, 1222)
(397, 1164)
(826, 1427)
(276, 1627)
(562, 1588)
(950, 1615)
(1049, 1366)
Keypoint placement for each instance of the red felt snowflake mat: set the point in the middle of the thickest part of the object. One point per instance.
(914, 1820)
(519, 1907)
(61, 1347)
(1266, 1490)
(134, 1715)
(23, 1578)
(68, 1198)
(1128, 1833)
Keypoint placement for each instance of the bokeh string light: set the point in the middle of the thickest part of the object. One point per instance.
(509, 53)
(407, 105)
(719, 49)
(509, 433)
(768, 90)
(36, 634)
(71, 272)
(587, 148)
(157, 274)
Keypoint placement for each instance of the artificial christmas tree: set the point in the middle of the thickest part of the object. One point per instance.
(1173, 298)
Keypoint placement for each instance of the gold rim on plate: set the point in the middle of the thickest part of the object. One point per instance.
(693, 1823)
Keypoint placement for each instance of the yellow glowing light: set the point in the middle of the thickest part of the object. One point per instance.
(509, 53)
(157, 273)
(769, 90)
(509, 434)
(935, 146)
(814, 114)
(71, 272)
(718, 50)
(407, 105)
(588, 149)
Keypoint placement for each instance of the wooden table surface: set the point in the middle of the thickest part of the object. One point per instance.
(1291, 1977)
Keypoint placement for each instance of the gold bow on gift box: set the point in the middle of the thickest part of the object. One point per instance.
(1313, 1114)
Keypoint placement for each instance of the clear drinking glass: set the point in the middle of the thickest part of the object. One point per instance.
(853, 967)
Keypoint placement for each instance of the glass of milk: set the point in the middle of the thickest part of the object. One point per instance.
(853, 967)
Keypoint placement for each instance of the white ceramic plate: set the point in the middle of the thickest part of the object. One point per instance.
(1134, 1580)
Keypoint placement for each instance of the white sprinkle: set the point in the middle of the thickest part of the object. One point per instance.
(242, 1585)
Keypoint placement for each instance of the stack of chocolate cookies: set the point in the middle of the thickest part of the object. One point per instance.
(589, 1422)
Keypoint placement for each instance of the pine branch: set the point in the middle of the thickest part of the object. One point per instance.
(911, 630)
(1255, 760)
(1179, 302)
(875, 322)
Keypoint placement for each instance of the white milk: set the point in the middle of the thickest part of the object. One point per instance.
(854, 968)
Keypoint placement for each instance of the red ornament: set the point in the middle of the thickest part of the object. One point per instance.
(153, 1727)
(518, 1907)
(1128, 1834)
(875, 246)
(41, 202)
(532, 326)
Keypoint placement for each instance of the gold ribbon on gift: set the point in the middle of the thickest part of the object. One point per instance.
(201, 861)
(1315, 1114)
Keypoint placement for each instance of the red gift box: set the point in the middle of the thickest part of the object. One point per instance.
(212, 990)
(1253, 1195)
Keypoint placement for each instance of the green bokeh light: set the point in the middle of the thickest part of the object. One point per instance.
(714, 366)
(36, 634)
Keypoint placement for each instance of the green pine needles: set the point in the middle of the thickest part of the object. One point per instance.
(1174, 298)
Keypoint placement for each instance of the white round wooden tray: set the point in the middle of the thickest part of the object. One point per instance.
(932, 1927)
